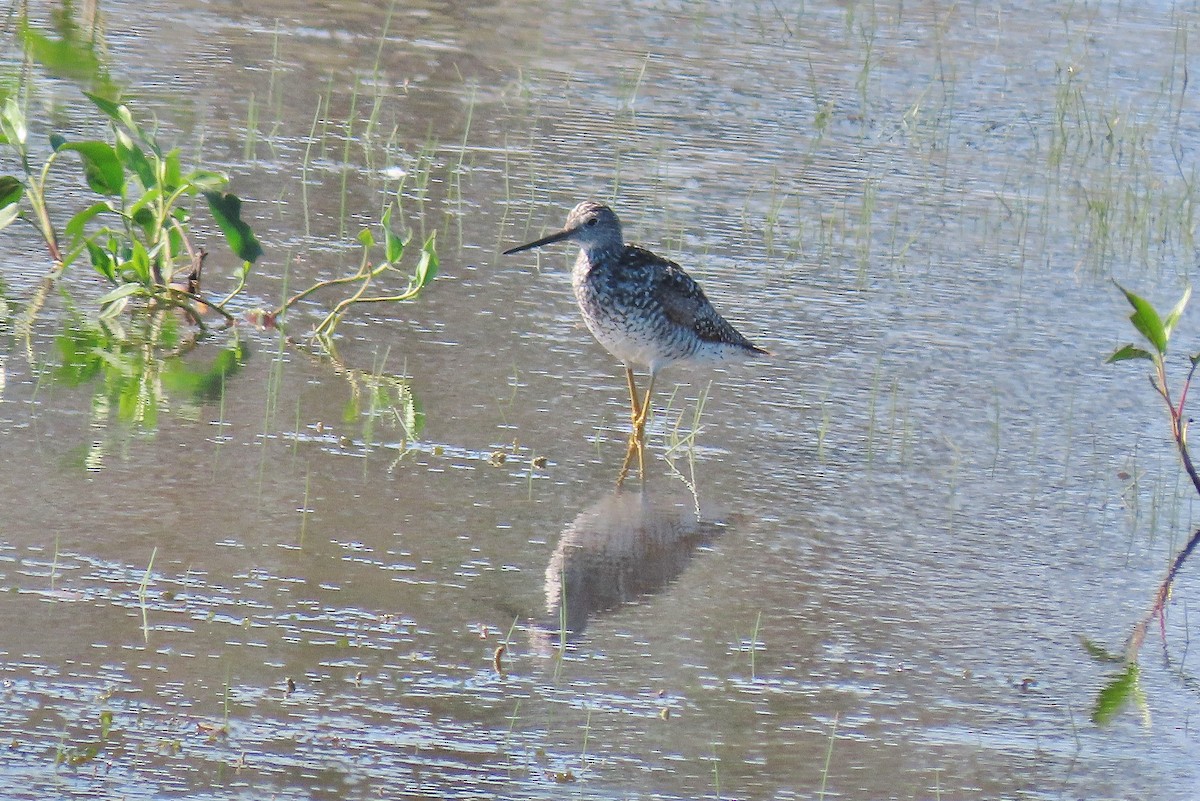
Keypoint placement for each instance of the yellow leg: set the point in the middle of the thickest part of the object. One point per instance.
(633, 395)
(639, 410)
(640, 423)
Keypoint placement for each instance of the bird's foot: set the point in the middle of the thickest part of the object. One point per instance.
(636, 447)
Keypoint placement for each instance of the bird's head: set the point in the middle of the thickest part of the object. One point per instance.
(591, 225)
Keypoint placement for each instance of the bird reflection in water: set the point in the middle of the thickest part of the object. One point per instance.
(625, 547)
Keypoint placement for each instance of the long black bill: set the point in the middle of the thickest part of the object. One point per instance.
(557, 236)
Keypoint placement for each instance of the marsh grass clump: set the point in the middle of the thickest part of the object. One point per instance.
(1120, 167)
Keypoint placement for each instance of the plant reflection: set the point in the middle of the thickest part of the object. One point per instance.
(377, 398)
(136, 370)
(625, 547)
(1125, 687)
(78, 51)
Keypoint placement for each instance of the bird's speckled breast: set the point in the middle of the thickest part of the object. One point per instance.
(615, 294)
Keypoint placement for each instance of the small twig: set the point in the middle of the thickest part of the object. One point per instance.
(1179, 424)
(1186, 385)
(1184, 456)
(195, 256)
(334, 316)
(364, 273)
(237, 290)
(406, 295)
(192, 312)
(299, 296)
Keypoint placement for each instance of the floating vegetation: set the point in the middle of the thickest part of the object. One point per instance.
(81, 753)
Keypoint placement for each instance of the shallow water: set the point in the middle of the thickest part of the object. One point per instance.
(868, 573)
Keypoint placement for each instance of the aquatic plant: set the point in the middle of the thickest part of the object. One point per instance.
(1155, 330)
(136, 231)
(142, 246)
(394, 246)
(83, 751)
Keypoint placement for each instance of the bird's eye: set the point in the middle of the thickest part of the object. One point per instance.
(592, 222)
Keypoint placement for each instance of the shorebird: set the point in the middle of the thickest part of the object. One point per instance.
(642, 308)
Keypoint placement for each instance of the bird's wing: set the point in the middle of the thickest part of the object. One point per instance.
(684, 303)
(681, 298)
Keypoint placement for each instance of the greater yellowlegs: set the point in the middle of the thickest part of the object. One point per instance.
(642, 308)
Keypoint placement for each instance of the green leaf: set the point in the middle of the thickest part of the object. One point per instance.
(177, 243)
(1173, 316)
(227, 210)
(57, 141)
(139, 211)
(11, 191)
(366, 238)
(393, 243)
(110, 107)
(102, 261)
(206, 180)
(12, 124)
(183, 217)
(75, 225)
(1115, 695)
(427, 267)
(1147, 322)
(111, 310)
(139, 262)
(144, 218)
(118, 112)
(172, 172)
(8, 214)
(1128, 352)
(134, 159)
(114, 302)
(101, 166)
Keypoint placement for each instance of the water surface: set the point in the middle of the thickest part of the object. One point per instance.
(869, 572)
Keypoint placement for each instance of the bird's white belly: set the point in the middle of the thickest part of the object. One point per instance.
(631, 346)
(644, 348)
